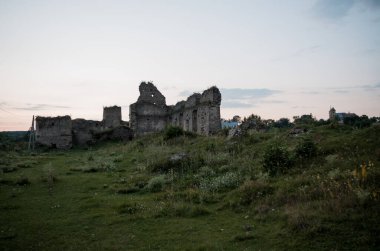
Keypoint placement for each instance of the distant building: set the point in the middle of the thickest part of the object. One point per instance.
(339, 116)
(236, 118)
(229, 123)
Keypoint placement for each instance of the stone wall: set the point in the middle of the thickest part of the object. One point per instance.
(149, 113)
(112, 116)
(63, 133)
(83, 131)
(54, 132)
(209, 115)
(200, 113)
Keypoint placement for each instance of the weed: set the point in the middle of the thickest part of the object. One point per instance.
(306, 149)
(156, 184)
(173, 132)
(251, 191)
(224, 182)
(128, 208)
(277, 160)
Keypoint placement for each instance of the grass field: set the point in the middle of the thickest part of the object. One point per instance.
(197, 193)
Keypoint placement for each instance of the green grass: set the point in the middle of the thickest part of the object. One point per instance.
(218, 197)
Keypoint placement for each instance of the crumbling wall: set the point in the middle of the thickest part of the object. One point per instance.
(200, 113)
(176, 114)
(112, 116)
(120, 133)
(63, 133)
(83, 131)
(184, 113)
(149, 113)
(55, 132)
(209, 111)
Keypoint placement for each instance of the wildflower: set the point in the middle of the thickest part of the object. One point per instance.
(370, 165)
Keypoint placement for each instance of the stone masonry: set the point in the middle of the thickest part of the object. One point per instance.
(112, 116)
(54, 132)
(63, 132)
(200, 113)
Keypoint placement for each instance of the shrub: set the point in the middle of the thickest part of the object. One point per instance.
(306, 149)
(156, 184)
(227, 181)
(251, 191)
(179, 162)
(172, 132)
(206, 172)
(276, 159)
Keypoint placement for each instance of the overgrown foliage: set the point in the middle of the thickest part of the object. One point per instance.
(306, 149)
(277, 159)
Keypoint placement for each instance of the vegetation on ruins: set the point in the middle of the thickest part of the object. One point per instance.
(308, 185)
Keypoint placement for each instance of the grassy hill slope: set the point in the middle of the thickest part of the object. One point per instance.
(262, 191)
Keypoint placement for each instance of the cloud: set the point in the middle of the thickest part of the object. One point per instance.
(238, 93)
(299, 53)
(341, 91)
(371, 4)
(332, 9)
(373, 87)
(185, 93)
(273, 101)
(236, 104)
(303, 107)
(3, 107)
(338, 9)
(172, 87)
(346, 89)
(39, 107)
(311, 92)
(245, 98)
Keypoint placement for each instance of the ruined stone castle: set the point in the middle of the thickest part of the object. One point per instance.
(200, 114)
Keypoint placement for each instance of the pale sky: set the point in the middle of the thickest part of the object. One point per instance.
(271, 58)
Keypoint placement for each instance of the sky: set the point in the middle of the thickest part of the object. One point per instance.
(273, 58)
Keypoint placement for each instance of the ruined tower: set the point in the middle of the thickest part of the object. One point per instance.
(54, 132)
(209, 111)
(111, 116)
(332, 114)
(149, 113)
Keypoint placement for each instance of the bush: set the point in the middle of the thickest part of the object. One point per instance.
(227, 181)
(276, 159)
(179, 163)
(206, 172)
(156, 184)
(306, 149)
(173, 132)
(251, 191)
